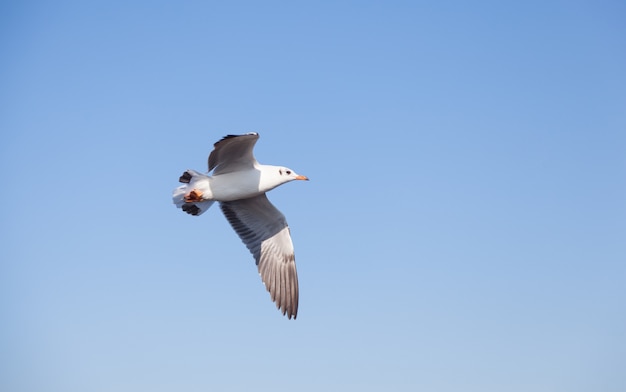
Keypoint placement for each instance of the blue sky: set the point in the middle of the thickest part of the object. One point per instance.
(463, 229)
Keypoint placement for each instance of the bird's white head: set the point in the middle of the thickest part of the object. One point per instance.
(289, 175)
(273, 176)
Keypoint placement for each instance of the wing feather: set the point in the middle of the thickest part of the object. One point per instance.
(264, 230)
(233, 153)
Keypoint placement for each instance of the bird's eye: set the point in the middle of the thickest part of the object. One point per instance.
(280, 171)
(288, 172)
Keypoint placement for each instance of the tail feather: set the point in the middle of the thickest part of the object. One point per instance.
(191, 180)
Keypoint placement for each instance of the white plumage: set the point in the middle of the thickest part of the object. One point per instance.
(239, 184)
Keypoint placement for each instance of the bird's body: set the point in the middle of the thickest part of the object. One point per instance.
(239, 184)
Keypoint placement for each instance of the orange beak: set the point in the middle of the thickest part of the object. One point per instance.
(305, 178)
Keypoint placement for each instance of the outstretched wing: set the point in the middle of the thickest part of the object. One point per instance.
(265, 232)
(233, 153)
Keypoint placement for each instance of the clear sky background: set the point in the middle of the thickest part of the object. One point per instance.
(463, 230)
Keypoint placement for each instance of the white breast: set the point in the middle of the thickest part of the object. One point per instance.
(236, 185)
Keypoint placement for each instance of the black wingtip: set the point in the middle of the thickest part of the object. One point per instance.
(233, 136)
(191, 209)
(185, 178)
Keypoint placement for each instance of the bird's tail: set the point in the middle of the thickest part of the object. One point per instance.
(191, 181)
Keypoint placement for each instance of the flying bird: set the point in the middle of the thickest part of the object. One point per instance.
(239, 184)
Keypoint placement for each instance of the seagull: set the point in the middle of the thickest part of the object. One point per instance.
(239, 184)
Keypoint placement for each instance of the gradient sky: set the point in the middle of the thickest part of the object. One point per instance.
(463, 230)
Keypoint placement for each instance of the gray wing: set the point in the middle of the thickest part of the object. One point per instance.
(265, 232)
(233, 153)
